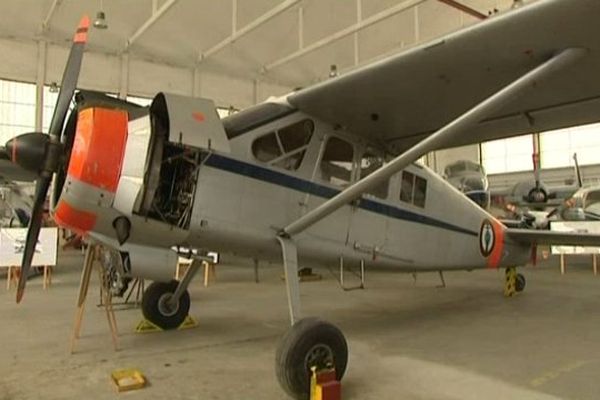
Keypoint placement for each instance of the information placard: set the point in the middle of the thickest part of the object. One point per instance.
(12, 245)
(575, 226)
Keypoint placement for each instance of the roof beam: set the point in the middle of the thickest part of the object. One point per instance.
(156, 15)
(53, 7)
(466, 9)
(238, 33)
(345, 32)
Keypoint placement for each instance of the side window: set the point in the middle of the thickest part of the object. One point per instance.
(420, 191)
(286, 147)
(406, 187)
(413, 189)
(369, 163)
(337, 162)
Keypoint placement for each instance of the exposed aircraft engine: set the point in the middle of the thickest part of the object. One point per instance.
(180, 128)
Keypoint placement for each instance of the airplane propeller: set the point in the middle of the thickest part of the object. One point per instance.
(44, 154)
(537, 194)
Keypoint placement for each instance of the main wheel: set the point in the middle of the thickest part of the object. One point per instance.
(157, 308)
(520, 283)
(311, 342)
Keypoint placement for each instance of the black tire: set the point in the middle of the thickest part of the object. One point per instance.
(520, 283)
(307, 338)
(153, 310)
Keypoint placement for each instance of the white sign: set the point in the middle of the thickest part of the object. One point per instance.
(579, 227)
(12, 245)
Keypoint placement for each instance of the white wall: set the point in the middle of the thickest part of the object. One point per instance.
(101, 71)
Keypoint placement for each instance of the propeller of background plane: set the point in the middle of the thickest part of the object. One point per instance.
(44, 154)
(537, 194)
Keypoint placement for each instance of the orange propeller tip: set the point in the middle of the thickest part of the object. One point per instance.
(82, 30)
(84, 22)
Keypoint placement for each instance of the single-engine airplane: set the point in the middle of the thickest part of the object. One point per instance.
(324, 173)
(534, 193)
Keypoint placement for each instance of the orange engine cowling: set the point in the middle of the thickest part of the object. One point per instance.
(93, 169)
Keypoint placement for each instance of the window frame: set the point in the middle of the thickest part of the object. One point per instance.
(283, 155)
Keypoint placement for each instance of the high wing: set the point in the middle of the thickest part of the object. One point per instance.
(403, 99)
(531, 236)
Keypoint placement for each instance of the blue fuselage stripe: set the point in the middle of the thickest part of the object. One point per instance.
(277, 178)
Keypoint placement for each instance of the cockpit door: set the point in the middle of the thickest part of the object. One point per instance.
(368, 217)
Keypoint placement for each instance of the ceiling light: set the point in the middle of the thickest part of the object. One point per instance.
(333, 71)
(53, 87)
(100, 21)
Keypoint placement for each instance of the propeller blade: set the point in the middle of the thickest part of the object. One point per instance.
(52, 150)
(33, 231)
(69, 79)
(536, 169)
(577, 171)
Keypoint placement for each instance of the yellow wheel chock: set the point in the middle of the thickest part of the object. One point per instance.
(510, 282)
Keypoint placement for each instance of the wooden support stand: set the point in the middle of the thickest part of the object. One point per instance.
(14, 271)
(184, 263)
(91, 255)
(563, 263)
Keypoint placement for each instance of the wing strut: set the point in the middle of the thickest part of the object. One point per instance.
(442, 138)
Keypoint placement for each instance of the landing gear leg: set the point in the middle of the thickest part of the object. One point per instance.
(292, 284)
(310, 342)
(166, 304)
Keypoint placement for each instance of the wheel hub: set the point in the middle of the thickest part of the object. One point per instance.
(166, 306)
(319, 356)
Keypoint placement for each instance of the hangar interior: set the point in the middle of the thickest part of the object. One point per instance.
(460, 342)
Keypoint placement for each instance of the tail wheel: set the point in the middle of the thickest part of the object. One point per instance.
(311, 342)
(157, 308)
(520, 283)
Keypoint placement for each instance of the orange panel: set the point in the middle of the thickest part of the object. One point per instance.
(73, 219)
(99, 146)
(498, 250)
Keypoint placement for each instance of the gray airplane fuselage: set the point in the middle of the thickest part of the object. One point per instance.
(236, 199)
(240, 205)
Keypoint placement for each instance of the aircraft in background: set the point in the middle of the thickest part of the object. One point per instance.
(534, 193)
(325, 174)
(470, 178)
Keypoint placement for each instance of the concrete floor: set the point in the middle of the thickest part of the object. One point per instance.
(406, 341)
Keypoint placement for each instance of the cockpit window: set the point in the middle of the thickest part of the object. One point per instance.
(413, 189)
(286, 147)
(337, 162)
(266, 148)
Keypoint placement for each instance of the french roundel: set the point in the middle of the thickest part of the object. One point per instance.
(487, 238)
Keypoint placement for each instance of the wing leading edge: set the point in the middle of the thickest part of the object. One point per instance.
(403, 99)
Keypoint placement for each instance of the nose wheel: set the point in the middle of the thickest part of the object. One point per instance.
(160, 307)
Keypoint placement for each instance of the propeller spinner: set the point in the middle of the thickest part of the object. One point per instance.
(42, 153)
